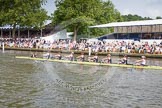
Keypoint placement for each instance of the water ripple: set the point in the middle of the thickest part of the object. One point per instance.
(32, 84)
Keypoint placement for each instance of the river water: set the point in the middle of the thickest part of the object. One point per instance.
(35, 84)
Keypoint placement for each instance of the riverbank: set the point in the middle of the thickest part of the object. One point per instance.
(85, 52)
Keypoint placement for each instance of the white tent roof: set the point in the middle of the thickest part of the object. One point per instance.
(130, 23)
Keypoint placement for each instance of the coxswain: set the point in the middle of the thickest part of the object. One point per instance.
(71, 56)
(107, 59)
(124, 60)
(81, 57)
(142, 61)
(58, 56)
(93, 59)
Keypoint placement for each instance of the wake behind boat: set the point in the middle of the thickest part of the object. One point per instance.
(90, 63)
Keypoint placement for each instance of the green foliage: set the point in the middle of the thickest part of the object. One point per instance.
(131, 17)
(109, 14)
(77, 15)
(158, 17)
(26, 13)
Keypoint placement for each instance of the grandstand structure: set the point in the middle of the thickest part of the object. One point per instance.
(27, 32)
(145, 29)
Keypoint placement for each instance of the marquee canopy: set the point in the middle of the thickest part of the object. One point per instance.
(130, 23)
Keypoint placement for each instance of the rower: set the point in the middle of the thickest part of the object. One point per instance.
(33, 55)
(58, 56)
(47, 55)
(93, 59)
(124, 60)
(81, 57)
(142, 61)
(71, 56)
(107, 59)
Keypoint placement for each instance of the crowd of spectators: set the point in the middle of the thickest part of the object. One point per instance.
(97, 46)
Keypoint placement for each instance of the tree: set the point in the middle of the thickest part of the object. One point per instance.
(77, 15)
(109, 14)
(158, 17)
(26, 13)
(131, 17)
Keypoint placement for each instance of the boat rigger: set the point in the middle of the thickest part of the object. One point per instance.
(91, 63)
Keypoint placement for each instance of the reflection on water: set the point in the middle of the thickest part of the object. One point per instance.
(33, 84)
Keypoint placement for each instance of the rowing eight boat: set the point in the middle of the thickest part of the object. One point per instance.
(91, 63)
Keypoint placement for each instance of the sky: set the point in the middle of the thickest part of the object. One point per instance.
(144, 8)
